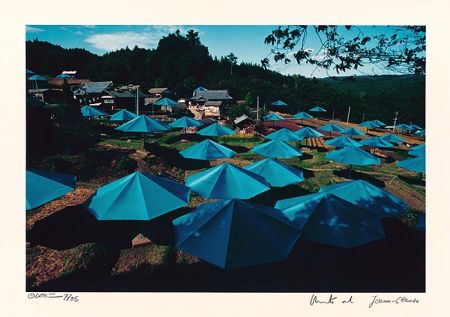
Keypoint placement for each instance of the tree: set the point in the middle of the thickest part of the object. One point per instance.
(249, 99)
(237, 111)
(232, 59)
(347, 47)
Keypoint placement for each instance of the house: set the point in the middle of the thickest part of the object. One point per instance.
(212, 102)
(120, 99)
(245, 124)
(74, 83)
(160, 93)
(91, 92)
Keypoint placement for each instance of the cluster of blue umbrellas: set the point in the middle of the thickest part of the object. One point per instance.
(416, 164)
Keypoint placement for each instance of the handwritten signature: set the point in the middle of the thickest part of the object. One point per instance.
(398, 300)
(64, 297)
(330, 300)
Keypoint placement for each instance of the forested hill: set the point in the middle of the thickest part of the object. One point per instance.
(183, 63)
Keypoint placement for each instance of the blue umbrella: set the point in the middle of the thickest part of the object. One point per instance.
(379, 123)
(142, 124)
(29, 72)
(283, 135)
(404, 127)
(276, 173)
(63, 76)
(327, 219)
(227, 181)
(416, 164)
(89, 111)
(369, 125)
(201, 89)
(308, 133)
(273, 117)
(353, 156)
(415, 127)
(37, 78)
(207, 150)
(343, 141)
(235, 233)
(376, 142)
(353, 131)
(123, 115)
(217, 130)
(331, 127)
(43, 186)
(276, 149)
(392, 138)
(279, 103)
(138, 196)
(317, 109)
(420, 132)
(369, 197)
(185, 122)
(302, 115)
(418, 150)
(165, 102)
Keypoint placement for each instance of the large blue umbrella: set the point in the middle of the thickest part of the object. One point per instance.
(416, 164)
(89, 111)
(227, 181)
(418, 150)
(143, 124)
(369, 125)
(235, 233)
(283, 135)
(123, 115)
(279, 103)
(138, 196)
(404, 127)
(273, 117)
(207, 150)
(216, 130)
(308, 133)
(276, 149)
(276, 173)
(353, 156)
(327, 219)
(165, 102)
(43, 186)
(353, 131)
(302, 115)
(63, 76)
(379, 123)
(376, 142)
(317, 109)
(392, 138)
(369, 197)
(343, 141)
(331, 127)
(37, 78)
(415, 127)
(185, 122)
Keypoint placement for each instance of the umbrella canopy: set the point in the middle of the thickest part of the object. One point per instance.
(279, 103)
(353, 131)
(123, 115)
(63, 76)
(138, 196)
(379, 123)
(418, 150)
(308, 133)
(276, 149)
(227, 181)
(283, 135)
(200, 89)
(376, 142)
(216, 129)
(404, 126)
(317, 109)
(43, 186)
(273, 117)
(165, 102)
(331, 127)
(142, 124)
(420, 132)
(276, 173)
(207, 150)
(89, 111)
(353, 156)
(327, 219)
(185, 122)
(302, 115)
(369, 197)
(415, 127)
(369, 125)
(416, 164)
(343, 141)
(392, 138)
(235, 233)
(37, 78)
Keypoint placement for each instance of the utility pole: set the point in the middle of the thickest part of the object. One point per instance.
(395, 120)
(257, 109)
(363, 117)
(348, 114)
(332, 118)
(137, 100)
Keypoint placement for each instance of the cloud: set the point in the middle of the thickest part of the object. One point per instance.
(32, 29)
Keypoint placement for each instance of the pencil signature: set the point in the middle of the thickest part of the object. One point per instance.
(64, 297)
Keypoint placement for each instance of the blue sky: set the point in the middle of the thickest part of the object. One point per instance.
(246, 42)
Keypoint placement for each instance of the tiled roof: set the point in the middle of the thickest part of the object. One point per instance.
(213, 103)
(96, 87)
(242, 118)
(158, 90)
(125, 94)
(212, 95)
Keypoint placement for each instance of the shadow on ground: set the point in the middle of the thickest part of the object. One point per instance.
(174, 158)
(354, 175)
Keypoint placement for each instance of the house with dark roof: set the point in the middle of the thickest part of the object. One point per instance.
(122, 99)
(212, 102)
(159, 92)
(91, 92)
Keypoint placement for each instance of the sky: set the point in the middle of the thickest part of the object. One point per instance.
(244, 41)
